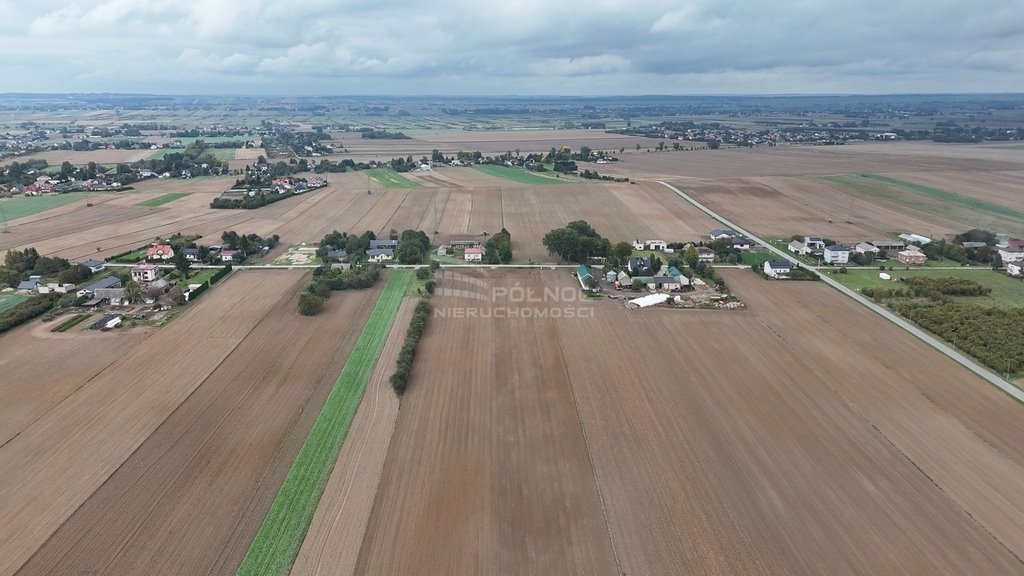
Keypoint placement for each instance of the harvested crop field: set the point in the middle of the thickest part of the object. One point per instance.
(804, 435)
(175, 457)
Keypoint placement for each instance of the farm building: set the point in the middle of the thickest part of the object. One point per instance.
(623, 279)
(584, 276)
(915, 238)
(778, 268)
(1014, 269)
(114, 295)
(915, 257)
(30, 285)
(1011, 255)
(865, 248)
(383, 244)
(473, 254)
(837, 254)
(158, 251)
(649, 300)
(336, 255)
(144, 273)
(610, 276)
(797, 247)
(53, 287)
(464, 243)
(649, 245)
(891, 246)
(94, 266)
(108, 282)
(974, 245)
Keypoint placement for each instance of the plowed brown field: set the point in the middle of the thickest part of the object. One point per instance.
(804, 435)
(167, 460)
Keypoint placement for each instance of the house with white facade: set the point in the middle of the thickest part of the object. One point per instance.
(837, 254)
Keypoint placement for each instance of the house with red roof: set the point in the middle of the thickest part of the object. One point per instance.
(158, 251)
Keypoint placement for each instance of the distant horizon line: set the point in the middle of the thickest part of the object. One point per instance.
(494, 96)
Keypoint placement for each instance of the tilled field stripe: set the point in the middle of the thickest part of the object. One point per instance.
(280, 537)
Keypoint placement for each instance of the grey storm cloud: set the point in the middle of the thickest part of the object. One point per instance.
(524, 47)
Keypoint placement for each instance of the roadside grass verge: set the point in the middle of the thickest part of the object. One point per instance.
(279, 538)
(164, 199)
(391, 179)
(517, 175)
(28, 205)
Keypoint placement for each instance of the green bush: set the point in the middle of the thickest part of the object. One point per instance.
(25, 311)
(403, 366)
(310, 304)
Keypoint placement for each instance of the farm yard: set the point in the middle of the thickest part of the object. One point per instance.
(801, 434)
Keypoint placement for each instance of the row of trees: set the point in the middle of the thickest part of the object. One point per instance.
(20, 264)
(25, 311)
(498, 248)
(403, 366)
(311, 299)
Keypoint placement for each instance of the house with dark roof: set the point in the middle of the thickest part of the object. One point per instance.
(380, 254)
(336, 255)
(108, 282)
(779, 268)
(94, 266)
(191, 254)
(30, 285)
(383, 244)
(837, 254)
(722, 233)
(814, 243)
(705, 254)
(638, 265)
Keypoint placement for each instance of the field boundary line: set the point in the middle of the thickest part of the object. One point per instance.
(280, 536)
(1007, 387)
(590, 454)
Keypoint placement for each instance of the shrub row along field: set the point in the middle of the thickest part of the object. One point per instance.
(403, 366)
(993, 335)
(24, 311)
(390, 179)
(70, 323)
(276, 544)
(163, 199)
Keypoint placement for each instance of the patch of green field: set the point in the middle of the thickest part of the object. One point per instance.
(200, 275)
(22, 206)
(390, 179)
(277, 542)
(517, 175)
(10, 300)
(751, 258)
(881, 186)
(161, 200)
(1006, 291)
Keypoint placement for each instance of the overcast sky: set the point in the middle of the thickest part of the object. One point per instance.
(479, 47)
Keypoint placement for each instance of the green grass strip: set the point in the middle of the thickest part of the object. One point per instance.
(517, 175)
(22, 206)
(161, 200)
(949, 197)
(70, 323)
(279, 538)
(390, 179)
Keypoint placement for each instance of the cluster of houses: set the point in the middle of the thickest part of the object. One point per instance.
(638, 269)
(285, 185)
(49, 185)
(839, 254)
(737, 240)
(472, 250)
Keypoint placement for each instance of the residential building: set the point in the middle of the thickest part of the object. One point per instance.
(159, 251)
(336, 255)
(638, 245)
(638, 265)
(144, 273)
(1014, 269)
(191, 254)
(463, 243)
(740, 243)
(778, 268)
(720, 233)
(705, 254)
(656, 245)
(230, 255)
(473, 254)
(380, 254)
(94, 266)
(814, 243)
(912, 257)
(837, 254)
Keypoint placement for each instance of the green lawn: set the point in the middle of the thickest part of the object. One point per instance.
(750, 258)
(161, 200)
(390, 179)
(943, 203)
(9, 300)
(517, 175)
(277, 542)
(1006, 291)
(22, 206)
(200, 275)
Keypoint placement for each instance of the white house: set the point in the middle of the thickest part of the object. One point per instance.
(656, 245)
(473, 254)
(1011, 255)
(380, 254)
(1014, 269)
(778, 268)
(797, 247)
(740, 243)
(144, 273)
(638, 245)
(837, 254)
(720, 233)
(705, 254)
(814, 243)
